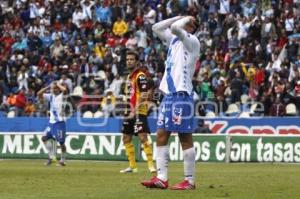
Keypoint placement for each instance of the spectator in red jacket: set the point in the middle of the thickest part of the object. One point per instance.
(7, 42)
(20, 102)
(277, 109)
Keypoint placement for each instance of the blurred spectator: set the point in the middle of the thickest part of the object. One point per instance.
(108, 104)
(120, 106)
(224, 6)
(41, 108)
(30, 109)
(23, 78)
(20, 44)
(115, 86)
(98, 32)
(56, 49)
(20, 103)
(297, 93)
(139, 20)
(67, 81)
(116, 11)
(10, 102)
(277, 108)
(268, 31)
(236, 87)
(220, 94)
(86, 6)
(202, 128)
(33, 41)
(142, 37)
(131, 42)
(34, 9)
(172, 8)
(77, 17)
(248, 8)
(120, 27)
(46, 39)
(149, 19)
(103, 14)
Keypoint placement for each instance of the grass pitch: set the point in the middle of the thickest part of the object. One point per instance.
(30, 179)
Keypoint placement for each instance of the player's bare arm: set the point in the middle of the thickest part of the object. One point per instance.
(183, 29)
(61, 87)
(162, 29)
(42, 91)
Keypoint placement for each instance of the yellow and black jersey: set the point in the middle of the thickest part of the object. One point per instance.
(138, 85)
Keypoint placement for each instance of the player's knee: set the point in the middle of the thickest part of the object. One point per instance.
(44, 138)
(162, 140)
(186, 141)
(186, 145)
(126, 138)
(63, 147)
(143, 137)
(144, 140)
(159, 140)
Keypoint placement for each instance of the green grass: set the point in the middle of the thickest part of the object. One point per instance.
(29, 179)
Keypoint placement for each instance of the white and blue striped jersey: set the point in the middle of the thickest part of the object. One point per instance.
(56, 107)
(183, 52)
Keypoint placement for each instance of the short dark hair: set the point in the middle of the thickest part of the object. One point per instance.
(195, 24)
(132, 52)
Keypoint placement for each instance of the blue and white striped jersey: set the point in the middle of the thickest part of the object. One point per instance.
(56, 107)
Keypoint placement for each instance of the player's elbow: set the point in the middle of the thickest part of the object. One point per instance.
(174, 28)
(155, 28)
(40, 92)
(63, 89)
(40, 95)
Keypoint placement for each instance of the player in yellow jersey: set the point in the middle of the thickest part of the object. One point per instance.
(135, 122)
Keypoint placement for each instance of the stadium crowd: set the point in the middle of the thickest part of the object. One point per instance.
(249, 53)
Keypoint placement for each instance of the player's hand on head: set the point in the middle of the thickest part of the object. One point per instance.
(192, 19)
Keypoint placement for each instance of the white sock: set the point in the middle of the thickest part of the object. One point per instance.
(49, 147)
(189, 156)
(63, 156)
(162, 158)
(54, 149)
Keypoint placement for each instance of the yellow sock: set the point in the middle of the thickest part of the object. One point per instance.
(129, 148)
(149, 154)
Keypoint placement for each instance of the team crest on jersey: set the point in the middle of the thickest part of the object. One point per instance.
(177, 116)
(130, 89)
(138, 128)
(160, 122)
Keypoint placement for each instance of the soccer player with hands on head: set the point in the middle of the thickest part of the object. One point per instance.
(177, 108)
(56, 129)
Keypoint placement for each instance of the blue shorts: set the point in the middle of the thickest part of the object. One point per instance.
(56, 131)
(176, 113)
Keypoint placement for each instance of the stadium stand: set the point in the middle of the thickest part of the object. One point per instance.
(248, 47)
